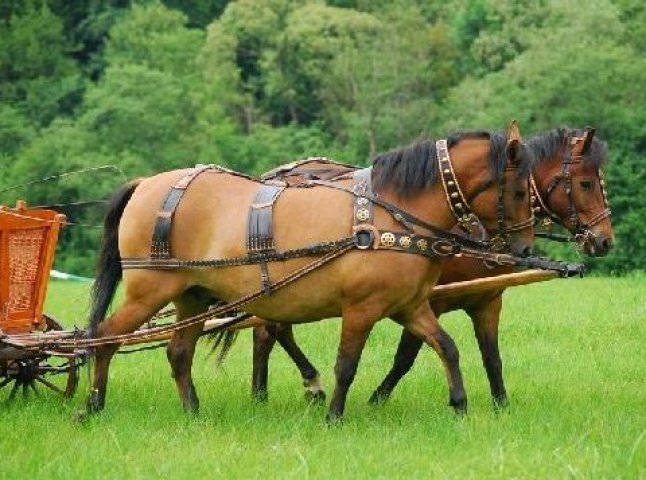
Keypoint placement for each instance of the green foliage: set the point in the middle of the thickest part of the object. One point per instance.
(150, 85)
(37, 76)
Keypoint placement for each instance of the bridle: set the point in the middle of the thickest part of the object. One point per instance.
(466, 219)
(581, 230)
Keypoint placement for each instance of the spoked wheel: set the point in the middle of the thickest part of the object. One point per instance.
(23, 371)
(53, 372)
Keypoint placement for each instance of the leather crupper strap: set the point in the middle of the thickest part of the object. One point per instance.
(540, 205)
(260, 227)
(160, 244)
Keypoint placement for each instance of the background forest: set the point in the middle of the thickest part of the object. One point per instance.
(154, 85)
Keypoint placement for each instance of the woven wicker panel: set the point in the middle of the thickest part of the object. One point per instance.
(24, 260)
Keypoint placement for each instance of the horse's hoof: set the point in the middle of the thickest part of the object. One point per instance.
(334, 420)
(79, 416)
(459, 407)
(192, 411)
(95, 402)
(315, 397)
(260, 396)
(500, 404)
(378, 398)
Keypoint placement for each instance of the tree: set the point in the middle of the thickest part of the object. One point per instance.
(37, 77)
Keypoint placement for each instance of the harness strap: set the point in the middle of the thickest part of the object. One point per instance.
(160, 244)
(458, 204)
(408, 220)
(363, 207)
(260, 228)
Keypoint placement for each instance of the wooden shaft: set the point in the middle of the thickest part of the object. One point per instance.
(479, 285)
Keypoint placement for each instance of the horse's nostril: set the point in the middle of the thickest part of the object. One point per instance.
(527, 251)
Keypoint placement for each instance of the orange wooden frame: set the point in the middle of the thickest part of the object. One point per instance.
(28, 239)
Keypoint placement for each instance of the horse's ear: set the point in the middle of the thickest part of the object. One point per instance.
(513, 141)
(588, 135)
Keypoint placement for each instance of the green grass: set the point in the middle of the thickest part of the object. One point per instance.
(575, 369)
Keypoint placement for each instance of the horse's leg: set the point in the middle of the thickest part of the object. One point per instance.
(284, 333)
(181, 349)
(263, 344)
(128, 317)
(407, 351)
(485, 324)
(423, 323)
(356, 327)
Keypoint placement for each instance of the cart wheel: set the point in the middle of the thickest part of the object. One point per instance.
(56, 373)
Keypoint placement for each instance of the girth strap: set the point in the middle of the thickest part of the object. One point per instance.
(160, 244)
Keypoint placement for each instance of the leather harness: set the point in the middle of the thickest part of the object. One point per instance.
(261, 246)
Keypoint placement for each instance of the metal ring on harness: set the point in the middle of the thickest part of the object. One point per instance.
(445, 248)
(366, 236)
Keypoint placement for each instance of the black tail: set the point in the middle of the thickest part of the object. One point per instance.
(109, 264)
(223, 340)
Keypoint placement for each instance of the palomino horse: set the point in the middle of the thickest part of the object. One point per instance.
(491, 171)
(568, 188)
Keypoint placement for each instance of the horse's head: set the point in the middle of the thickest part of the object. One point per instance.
(494, 178)
(569, 186)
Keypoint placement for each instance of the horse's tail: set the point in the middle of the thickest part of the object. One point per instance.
(108, 269)
(222, 340)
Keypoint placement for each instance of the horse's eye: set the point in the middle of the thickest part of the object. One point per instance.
(520, 195)
(587, 185)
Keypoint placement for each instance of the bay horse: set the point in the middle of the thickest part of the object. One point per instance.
(360, 286)
(567, 188)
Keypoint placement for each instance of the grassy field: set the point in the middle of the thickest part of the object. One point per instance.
(575, 366)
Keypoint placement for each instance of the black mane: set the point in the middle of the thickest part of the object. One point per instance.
(546, 145)
(413, 168)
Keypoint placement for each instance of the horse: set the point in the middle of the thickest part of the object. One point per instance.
(567, 188)
(490, 170)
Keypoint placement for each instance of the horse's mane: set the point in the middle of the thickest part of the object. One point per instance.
(546, 145)
(413, 168)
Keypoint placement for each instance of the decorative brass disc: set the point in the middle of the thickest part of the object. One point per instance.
(363, 214)
(387, 239)
(405, 241)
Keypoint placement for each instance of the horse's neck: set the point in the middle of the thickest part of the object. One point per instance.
(544, 170)
(430, 206)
